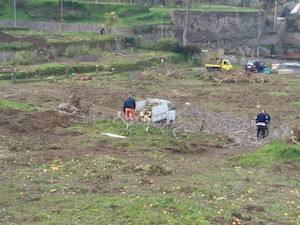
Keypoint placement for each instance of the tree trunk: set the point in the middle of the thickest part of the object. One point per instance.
(260, 33)
(268, 5)
(186, 24)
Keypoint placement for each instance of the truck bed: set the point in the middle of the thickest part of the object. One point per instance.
(213, 65)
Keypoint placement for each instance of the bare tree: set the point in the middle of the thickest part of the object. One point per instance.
(186, 24)
(268, 5)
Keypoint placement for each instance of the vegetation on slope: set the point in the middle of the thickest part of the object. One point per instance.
(93, 12)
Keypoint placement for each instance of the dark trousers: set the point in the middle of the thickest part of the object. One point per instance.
(261, 131)
(267, 130)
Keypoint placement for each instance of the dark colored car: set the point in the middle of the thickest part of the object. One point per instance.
(255, 66)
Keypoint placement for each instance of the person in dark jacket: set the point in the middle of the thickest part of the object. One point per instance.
(261, 120)
(129, 108)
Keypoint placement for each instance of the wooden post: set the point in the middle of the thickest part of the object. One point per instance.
(67, 71)
(13, 76)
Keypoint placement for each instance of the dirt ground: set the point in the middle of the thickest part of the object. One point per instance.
(42, 136)
(35, 129)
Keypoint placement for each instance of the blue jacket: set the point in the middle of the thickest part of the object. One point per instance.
(261, 119)
(129, 103)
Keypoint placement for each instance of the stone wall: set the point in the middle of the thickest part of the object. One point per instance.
(217, 25)
(292, 38)
(52, 26)
(152, 32)
(235, 32)
(232, 31)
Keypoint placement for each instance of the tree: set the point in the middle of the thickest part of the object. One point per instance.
(111, 19)
(268, 5)
(186, 24)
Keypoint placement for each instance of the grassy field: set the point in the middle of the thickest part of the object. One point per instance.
(150, 177)
(169, 190)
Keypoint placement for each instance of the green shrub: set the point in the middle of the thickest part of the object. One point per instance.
(130, 11)
(21, 4)
(290, 153)
(72, 5)
(44, 10)
(190, 50)
(3, 28)
(15, 46)
(168, 44)
(1, 8)
(24, 58)
(148, 44)
(130, 41)
(74, 50)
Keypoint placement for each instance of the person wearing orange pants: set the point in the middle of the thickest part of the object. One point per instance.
(129, 108)
(129, 114)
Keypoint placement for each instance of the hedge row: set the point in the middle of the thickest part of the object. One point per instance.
(4, 28)
(60, 69)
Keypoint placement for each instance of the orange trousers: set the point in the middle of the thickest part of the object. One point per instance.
(129, 113)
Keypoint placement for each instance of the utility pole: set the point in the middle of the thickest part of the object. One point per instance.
(62, 14)
(15, 14)
(161, 26)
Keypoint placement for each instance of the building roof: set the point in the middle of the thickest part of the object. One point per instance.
(296, 9)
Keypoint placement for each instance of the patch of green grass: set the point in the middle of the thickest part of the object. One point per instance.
(144, 137)
(82, 187)
(154, 16)
(15, 46)
(224, 8)
(235, 189)
(8, 14)
(270, 154)
(5, 104)
(295, 104)
(101, 209)
(278, 93)
(293, 83)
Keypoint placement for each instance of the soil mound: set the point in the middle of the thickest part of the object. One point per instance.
(29, 121)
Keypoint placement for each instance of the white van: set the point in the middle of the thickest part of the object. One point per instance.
(156, 111)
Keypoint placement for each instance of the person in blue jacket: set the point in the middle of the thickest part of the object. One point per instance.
(261, 120)
(129, 108)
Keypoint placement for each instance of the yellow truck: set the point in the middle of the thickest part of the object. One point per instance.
(223, 64)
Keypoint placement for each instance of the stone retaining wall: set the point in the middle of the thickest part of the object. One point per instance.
(218, 25)
(233, 31)
(52, 26)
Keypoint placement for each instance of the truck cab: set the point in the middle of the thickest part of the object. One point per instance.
(226, 65)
